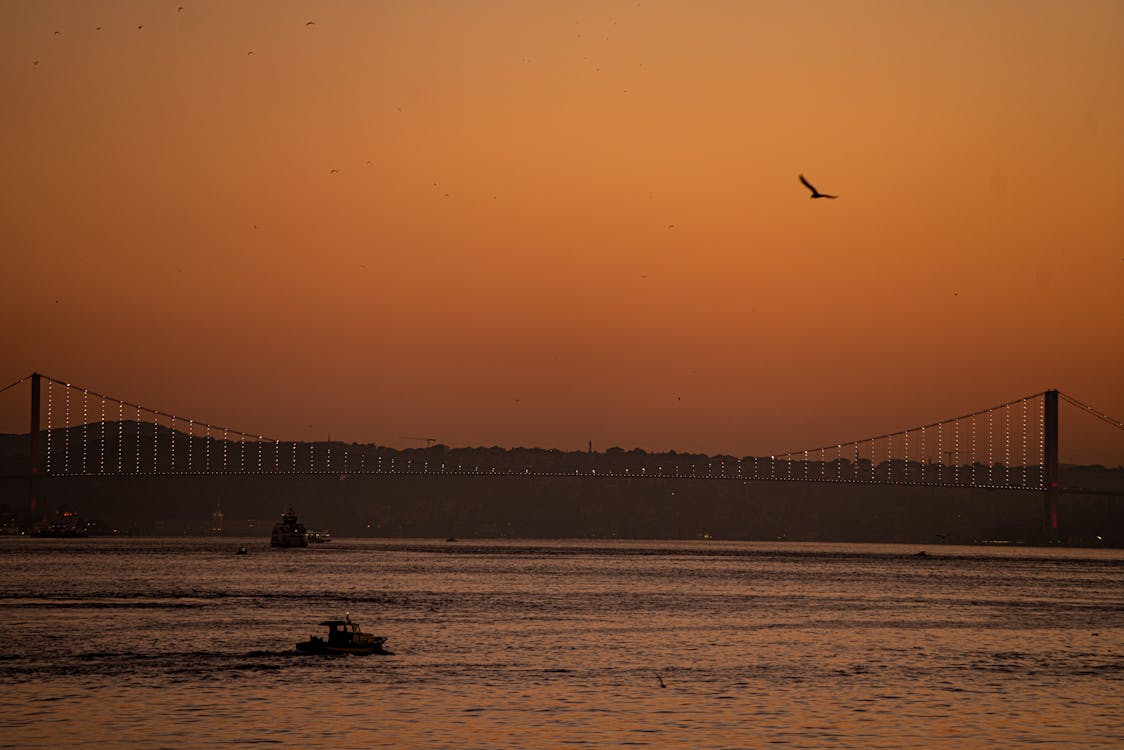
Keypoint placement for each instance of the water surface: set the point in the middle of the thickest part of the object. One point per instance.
(517, 644)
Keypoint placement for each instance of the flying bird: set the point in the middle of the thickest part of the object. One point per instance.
(334, 171)
(815, 193)
(310, 23)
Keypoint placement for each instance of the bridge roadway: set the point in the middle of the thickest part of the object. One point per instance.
(533, 474)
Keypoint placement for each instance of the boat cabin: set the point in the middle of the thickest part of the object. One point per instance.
(342, 626)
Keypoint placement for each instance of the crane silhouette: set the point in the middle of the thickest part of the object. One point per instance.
(428, 441)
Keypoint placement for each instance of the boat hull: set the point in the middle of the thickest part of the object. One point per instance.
(288, 539)
(320, 646)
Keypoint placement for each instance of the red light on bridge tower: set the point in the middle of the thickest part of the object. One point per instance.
(1050, 463)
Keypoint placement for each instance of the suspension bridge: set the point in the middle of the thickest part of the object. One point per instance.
(78, 432)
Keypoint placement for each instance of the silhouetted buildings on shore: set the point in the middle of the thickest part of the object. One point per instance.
(432, 500)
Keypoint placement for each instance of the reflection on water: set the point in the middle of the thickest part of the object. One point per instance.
(183, 643)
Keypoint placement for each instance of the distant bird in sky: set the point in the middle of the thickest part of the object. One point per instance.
(310, 23)
(334, 171)
(815, 193)
(660, 679)
(140, 27)
(34, 62)
(250, 52)
(97, 28)
(58, 33)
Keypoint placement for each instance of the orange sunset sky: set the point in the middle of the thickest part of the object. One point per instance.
(542, 223)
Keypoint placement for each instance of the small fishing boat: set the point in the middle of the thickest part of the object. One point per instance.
(344, 637)
(61, 531)
(288, 532)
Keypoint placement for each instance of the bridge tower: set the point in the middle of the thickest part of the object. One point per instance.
(1050, 463)
(34, 435)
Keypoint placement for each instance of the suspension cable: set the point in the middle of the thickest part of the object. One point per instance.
(156, 413)
(1098, 414)
(945, 421)
(13, 385)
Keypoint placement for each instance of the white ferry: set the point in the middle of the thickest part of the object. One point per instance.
(288, 532)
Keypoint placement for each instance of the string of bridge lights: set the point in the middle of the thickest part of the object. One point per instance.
(898, 468)
(1090, 410)
(967, 468)
(175, 433)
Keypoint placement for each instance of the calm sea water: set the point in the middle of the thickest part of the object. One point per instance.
(515, 644)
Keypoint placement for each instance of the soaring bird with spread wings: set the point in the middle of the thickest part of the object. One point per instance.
(815, 193)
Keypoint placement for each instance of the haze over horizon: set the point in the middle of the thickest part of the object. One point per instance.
(516, 224)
